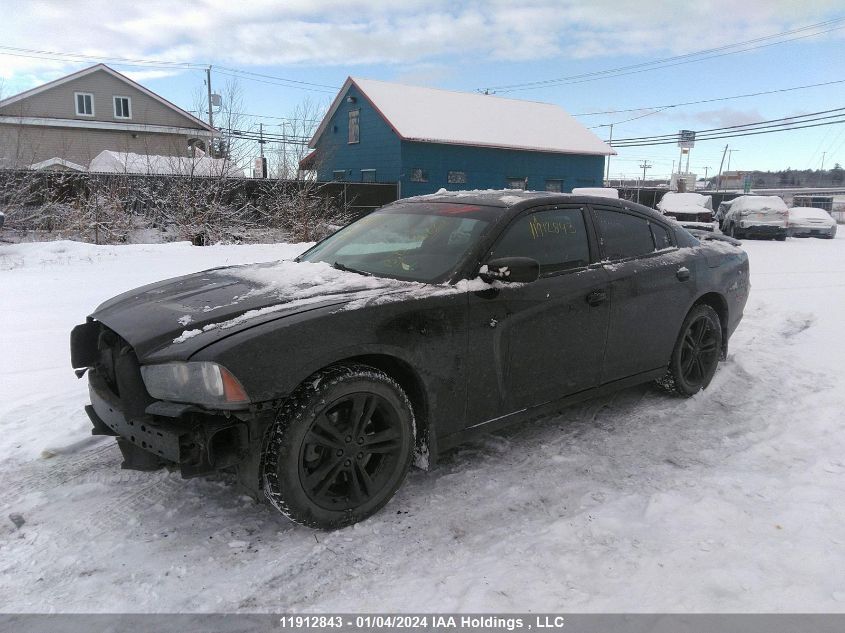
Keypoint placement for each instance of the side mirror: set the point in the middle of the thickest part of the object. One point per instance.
(510, 269)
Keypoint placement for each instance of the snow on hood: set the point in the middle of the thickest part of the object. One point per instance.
(675, 201)
(287, 285)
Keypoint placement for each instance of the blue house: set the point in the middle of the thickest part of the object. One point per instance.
(426, 139)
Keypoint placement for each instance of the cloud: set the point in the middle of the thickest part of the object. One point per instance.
(727, 117)
(411, 32)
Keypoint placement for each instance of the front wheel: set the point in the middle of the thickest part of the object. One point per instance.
(696, 353)
(340, 447)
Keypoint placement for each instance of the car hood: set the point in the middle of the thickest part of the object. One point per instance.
(197, 309)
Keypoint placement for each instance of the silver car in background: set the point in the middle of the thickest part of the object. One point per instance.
(811, 222)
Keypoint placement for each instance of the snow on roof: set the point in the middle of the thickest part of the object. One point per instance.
(463, 118)
(57, 162)
(684, 199)
(602, 192)
(112, 162)
(755, 203)
(809, 212)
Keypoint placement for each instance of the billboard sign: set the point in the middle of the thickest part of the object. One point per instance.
(686, 139)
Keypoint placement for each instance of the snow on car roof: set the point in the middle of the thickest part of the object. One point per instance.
(758, 203)
(685, 199)
(809, 212)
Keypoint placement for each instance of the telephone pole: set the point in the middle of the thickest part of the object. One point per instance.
(643, 165)
(610, 141)
(210, 113)
(719, 181)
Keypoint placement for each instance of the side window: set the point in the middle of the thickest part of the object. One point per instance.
(556, 238)
(623, 235)
(661, 235)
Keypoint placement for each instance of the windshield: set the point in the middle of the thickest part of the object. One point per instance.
(414, 241)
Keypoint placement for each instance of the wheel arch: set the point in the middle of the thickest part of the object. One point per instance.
(403, 372)
(720, 305)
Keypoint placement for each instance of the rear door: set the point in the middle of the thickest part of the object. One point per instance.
(536, 342)
(652, 282)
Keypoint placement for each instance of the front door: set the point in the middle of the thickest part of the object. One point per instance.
(537, 342)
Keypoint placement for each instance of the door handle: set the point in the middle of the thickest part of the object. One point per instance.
(683, 273)
(596, 297)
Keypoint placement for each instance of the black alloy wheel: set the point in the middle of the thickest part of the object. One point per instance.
(696, 354)
(340, 447)
(351, 451)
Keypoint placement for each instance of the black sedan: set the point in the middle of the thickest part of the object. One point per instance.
(318, 381)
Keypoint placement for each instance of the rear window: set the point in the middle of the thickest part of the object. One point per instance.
(623, 235)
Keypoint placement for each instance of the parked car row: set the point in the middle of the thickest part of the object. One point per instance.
(769, 216)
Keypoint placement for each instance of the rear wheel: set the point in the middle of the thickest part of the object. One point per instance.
(340, 447)
(696, 353)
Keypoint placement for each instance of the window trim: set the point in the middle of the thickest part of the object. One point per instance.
(632, 212)
(524, 180)
(76, 96)
(342, 173)
(128, 105)
(586, 216)
(357, 140)
(373, 171)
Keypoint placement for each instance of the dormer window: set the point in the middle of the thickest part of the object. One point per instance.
(122, 108)
(84, 103)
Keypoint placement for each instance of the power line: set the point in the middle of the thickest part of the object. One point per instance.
(162, 64)
(781, 128)
(787, 120)
(686, 103)
(677, 59)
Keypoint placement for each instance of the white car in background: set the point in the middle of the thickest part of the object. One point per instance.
(756, 216)
(603, 192)
(811, 222)
(691, 210)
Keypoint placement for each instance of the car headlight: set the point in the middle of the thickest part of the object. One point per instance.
(203, 383)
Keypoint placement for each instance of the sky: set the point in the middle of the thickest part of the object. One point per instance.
(472, 46)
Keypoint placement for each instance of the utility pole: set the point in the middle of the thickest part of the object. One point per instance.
(719, 180)
(730, 153)
(261, 150)
(643, 165)
(210, 113)
(609, 142)
(822, 167)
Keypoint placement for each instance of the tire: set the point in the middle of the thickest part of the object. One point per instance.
(696, 353)
(733, 232)
(781, 238)
(340, 447)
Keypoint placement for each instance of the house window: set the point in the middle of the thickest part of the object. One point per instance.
(419, 175)
(84, 103)
(456, 177)
(518, 183)
(354, 129)
(339, 174)
(368, 175)
(554, 184)
(122, 108)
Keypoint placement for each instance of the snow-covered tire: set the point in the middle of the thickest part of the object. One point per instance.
(695, 356)
(340, 447)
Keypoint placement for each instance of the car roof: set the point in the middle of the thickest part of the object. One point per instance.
(518, 199)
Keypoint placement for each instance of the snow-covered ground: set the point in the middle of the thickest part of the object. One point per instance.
(729, 501)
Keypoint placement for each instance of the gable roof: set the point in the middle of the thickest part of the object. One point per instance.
(102, 67)
(462, 118)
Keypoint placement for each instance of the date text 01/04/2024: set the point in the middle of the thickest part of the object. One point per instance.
(436, 622)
